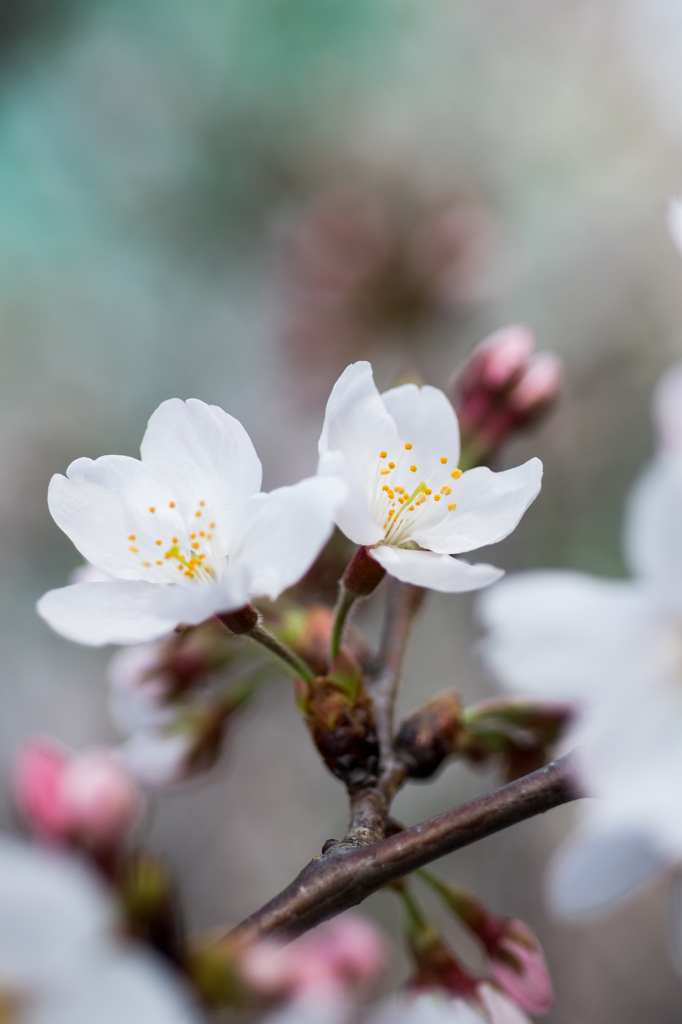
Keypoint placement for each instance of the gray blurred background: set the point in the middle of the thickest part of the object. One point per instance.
(231, 199)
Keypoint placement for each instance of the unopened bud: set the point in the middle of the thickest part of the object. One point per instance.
(429, 734)
(520, 733)
(75, 798)
(308, 633)
(340, 718)
(242, 620)
(363, 574)
(501, 389)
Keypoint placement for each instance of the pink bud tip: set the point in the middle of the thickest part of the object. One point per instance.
(518, 965)
(540, 382)
(503, 354)
(66, 797)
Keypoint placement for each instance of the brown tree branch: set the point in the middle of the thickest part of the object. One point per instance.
(342, 877)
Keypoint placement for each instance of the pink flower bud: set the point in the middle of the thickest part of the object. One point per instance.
(502, 355)
(64, 797)
(518, 965)
(540, 383)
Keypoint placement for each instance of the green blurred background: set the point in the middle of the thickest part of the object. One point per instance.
(231, 199)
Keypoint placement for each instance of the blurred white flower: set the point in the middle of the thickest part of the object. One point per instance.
(438, 1007)
(615, 648)
(60, 962)
(184, 533)
(406, 499)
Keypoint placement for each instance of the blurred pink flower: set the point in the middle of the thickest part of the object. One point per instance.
(66, 797)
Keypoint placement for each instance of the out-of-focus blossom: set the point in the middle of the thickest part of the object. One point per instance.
(407, 502)
(514, 954)
(184, 533)
(85, 798)
(361, 271)
(614, 648)
(503, 387)
(328, 965)
(60, 961)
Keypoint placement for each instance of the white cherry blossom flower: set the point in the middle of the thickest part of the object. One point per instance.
(183, 533)
(406, 499)
(439, 1007)
(615, 648)
(60, 960)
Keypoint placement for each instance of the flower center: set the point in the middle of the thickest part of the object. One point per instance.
(185, 556)
(401, 500)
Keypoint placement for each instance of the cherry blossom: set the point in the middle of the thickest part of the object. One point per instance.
(438, 1007)
(60, 961)
(184, 533)
(407, 500)
(615, 648)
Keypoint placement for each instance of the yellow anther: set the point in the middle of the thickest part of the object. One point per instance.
(385, 525)
(401, 500)
(159, 542)
(413, 469)
(132, 537)
(197, 513)
(399, 490)
(159, 561)
(456, 474)
(382, 455)
(195, 545)
(201, 504)
(201, 533)
(384, 472)
(171, 504)
(452, 506)
(190, 574)
(391, 495)
(411, 508)
(446, 490)
(436, 497)
(385, 487)
(132, 548)
(192, 536)
(180, 568)
(152, 509)
(391, 465)
(206, 569)
(443, 459)
(147, 563)
(408, 446)
(427, 491)
(175, 540)
(391, 513)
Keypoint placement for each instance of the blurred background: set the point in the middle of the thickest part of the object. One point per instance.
(232, 200)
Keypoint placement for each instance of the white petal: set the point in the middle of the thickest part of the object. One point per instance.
(125, 988)
(489, 506)
(139, 688)
(675, 222)
(101, 505)
(653, 527)
(429, 1007)
(353, 516)
(52, 913)
(501, 1009)
(156, 758)
(667, 408)
(203, 454)
(196, 602)
(426, 420)
(357, 424)
(107, 613)
(282, 533)
(598, 867)
(569, 636)
(437, 572)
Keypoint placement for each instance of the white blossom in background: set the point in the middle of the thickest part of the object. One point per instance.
(407, 500)
(438, 1007)
(60, 961)
(183, 533)
(615, 648)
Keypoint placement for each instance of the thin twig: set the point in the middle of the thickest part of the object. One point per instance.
(295, 665)
(403, 603)
(342, 876)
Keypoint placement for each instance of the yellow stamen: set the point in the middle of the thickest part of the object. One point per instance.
(159, 542)
(197, 513)
(132, 537)
(456, 474)
(427, 491)
(385, 487)
(171, 504)
(384, 472)
(132, 549)
(202, 503)
(212, 525)
(382, 455)
(147, 563)
(195, 545)
(391, 465)
(399, 490)
(408, 446)
(175, 540)
(411, 508)
(413, 469)
(446, 490)
(159, 561)
(391, 513)
(452, 506)
(436, 497)
(152, 509)
(443, 459)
